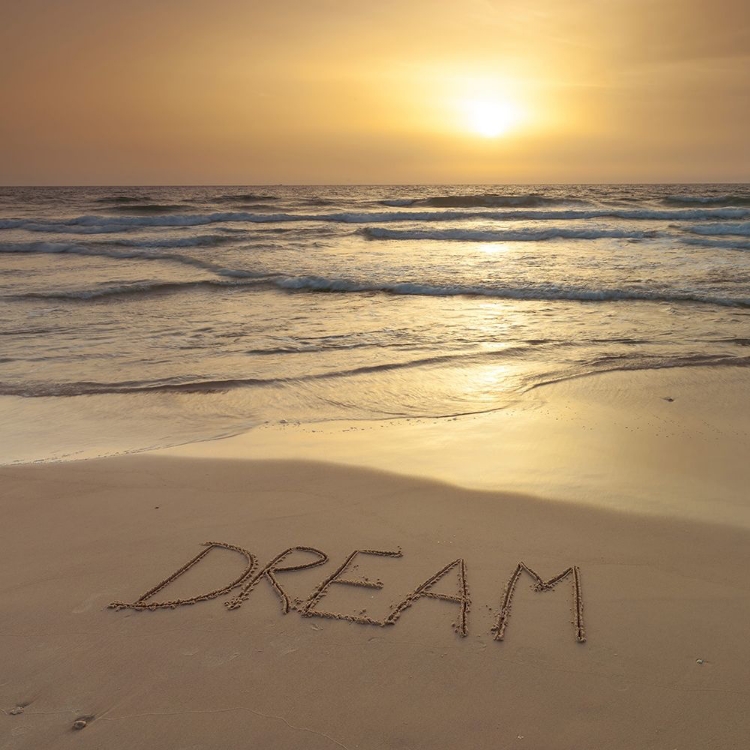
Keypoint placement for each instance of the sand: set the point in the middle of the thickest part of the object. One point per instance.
(439, 641)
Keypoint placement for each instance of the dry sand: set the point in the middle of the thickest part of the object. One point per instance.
(665, 606)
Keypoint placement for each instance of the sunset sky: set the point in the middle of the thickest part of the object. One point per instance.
(393, 91)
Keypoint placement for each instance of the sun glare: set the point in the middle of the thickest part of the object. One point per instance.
(491, 118)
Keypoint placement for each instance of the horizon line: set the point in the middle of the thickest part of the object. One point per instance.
(359, 184)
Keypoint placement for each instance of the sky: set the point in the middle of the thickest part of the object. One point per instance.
(171, 92)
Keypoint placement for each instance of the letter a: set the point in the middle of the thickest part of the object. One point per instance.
(423, 591)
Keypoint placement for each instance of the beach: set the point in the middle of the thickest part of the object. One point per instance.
(642, 644)
(374, 376)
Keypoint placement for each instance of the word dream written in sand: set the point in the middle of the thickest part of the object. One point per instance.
(249, 579)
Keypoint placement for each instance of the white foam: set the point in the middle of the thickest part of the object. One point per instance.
(741, 230)
(530, 292)
(507, 235)
(91, 224)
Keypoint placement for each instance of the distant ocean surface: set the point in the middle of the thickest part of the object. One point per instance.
(133, 318)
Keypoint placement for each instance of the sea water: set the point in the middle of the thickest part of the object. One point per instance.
(133, 318)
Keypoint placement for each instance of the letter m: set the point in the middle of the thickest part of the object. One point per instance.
(542, 585)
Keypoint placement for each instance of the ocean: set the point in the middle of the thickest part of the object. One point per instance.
(135, 318)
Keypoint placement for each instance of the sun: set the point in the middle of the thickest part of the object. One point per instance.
(491, 118)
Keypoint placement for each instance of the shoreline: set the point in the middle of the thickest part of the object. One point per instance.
(667, 443)
(679, 455)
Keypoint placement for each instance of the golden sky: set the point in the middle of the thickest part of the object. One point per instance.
(382, 91)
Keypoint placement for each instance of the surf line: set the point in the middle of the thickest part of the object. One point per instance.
(251, 576)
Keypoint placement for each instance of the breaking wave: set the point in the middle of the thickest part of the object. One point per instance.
(536, 292)
(507, 235)
(103, 224)
(317, 284)
(485, 200)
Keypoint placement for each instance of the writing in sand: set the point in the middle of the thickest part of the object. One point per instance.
(252, 575)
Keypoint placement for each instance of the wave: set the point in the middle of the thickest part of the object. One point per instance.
(397, 202)
(507, 235)
(148, 208)
(656, 363)
(237, 278)
(740, 230)
(123, 199)
(722, 244)
(320, 202)
(104, 224)
(142, 288)
(38, 247)
(91, 388)
(110, 251)
(532, 293)
(201, 240)
(253, 206)
(707, 200)
(205, 386)
(484, 200)
(244, 198)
